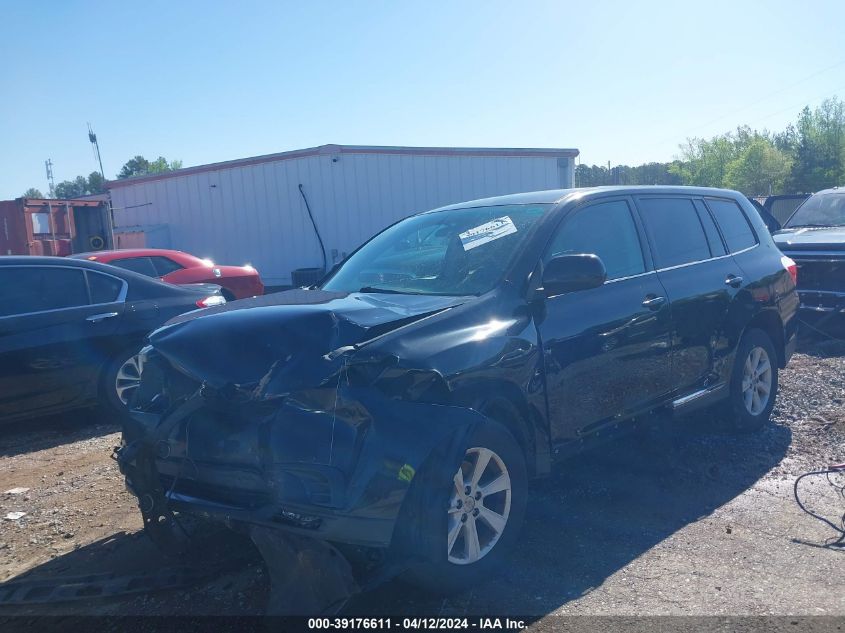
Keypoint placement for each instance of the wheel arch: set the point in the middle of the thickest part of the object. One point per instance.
(504, 403)
(769, 321)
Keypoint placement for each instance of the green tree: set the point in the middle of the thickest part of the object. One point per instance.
(81, 186)
(32, 192)
(806, 156)
(96, 183)
(759, 168)
(140, 166)
(819, 154)
(134, 167)
(705, 163)
(72, 188)
(646, 174)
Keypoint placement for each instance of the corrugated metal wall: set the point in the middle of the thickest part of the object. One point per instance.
(255, 214)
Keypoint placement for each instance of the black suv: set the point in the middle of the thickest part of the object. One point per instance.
(404, 403)
(814, 236)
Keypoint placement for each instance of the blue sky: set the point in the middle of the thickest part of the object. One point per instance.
(624, 82)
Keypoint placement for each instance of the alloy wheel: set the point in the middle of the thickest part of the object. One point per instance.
(757, 381)
(128, 379)
(479, 507)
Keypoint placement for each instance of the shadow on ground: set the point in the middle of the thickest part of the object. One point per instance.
(593, 517)
(601, 511)
(27, 436)
(126, 574)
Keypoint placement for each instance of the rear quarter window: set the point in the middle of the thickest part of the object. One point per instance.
(734, 225)
(104, 289)
(141, 265)
(164, 265)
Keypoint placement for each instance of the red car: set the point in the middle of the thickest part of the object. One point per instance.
(177, 267)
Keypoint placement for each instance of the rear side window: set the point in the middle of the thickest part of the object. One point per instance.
(104, 289)
(36, 289)
(141, 265)
(605, 229)
(735, 228)
(674, 231)
(164, 266)
(717, 247)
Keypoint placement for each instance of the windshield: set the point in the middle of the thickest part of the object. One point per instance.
(822, 209)
(457, 252)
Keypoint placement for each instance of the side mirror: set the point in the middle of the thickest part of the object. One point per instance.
(568, 273)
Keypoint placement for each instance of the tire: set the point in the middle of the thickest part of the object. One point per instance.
(116, 388)
(755, 369)
(473, 522)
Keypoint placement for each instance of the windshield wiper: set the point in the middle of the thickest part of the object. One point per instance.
(813, 226)
(388, 291)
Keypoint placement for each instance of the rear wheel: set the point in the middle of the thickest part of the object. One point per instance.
(469, 525)
(754, 382)
(120, 381)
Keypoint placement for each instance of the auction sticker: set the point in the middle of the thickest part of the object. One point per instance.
(488, 232)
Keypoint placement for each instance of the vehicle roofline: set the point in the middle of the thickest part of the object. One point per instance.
(562, 196)
(126, 251)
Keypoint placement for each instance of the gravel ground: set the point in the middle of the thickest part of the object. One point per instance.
(687, 522)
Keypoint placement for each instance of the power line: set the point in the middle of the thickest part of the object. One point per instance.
(769, 95)
(757, 102)
(803, 102)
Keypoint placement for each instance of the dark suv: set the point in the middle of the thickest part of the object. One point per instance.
(403, 404)
(814, 236)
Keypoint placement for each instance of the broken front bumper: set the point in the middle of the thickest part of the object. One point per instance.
(334, 464)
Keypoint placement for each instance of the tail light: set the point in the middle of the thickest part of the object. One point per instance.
(213, 300)
(791, 268)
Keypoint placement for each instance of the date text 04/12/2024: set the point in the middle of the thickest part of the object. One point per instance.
(386, 624)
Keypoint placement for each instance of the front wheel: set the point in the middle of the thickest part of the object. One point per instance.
(754, 382)
(468, 528)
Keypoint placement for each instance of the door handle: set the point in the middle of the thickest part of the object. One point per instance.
(653, 303)
(734, 281)
(97, 318)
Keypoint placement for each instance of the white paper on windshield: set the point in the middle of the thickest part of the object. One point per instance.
(488, 232)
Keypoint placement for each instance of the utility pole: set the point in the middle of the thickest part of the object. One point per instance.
(48, 164)
(96, 147)
(109, 216)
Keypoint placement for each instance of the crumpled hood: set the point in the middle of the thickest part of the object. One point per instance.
(277, 343)
(809, 238)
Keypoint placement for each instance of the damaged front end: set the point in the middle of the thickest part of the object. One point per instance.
(285, 418)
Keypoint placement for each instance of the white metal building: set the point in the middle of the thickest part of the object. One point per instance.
(251, 210)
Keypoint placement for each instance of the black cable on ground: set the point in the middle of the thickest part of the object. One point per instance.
(314, 223)
(840, 529)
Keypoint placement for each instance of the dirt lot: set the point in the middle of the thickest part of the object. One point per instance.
(691, 522)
